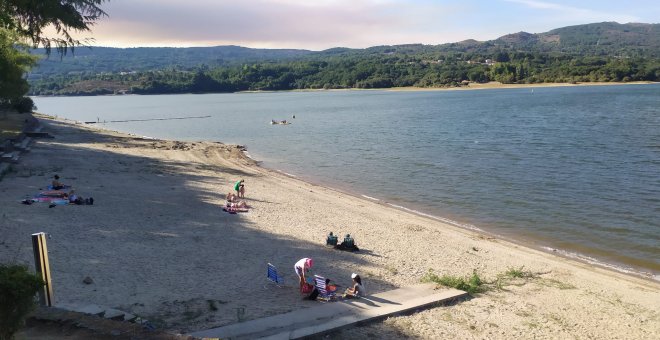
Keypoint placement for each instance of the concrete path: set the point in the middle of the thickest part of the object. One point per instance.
(334, 315)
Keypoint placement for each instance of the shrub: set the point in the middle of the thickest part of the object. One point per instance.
(472, 284)
(17, 290)
(515, 272)
(24, 105)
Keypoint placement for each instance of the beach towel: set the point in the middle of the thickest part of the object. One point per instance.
(235, 210)
(49, 196)
(50, 187)
(47, 199)
(51, 193)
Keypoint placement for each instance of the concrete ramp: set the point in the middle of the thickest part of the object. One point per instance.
(335, 315)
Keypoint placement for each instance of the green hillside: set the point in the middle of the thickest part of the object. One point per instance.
(114, 60)
(584, 53)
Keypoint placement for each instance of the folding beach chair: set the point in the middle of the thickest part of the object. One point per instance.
(324, 294)
(272, 276)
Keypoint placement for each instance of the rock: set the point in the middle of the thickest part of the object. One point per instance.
(113, 314)
(129, 317)
(90, 309)
(88, 280)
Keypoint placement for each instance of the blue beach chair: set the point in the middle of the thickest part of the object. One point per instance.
(272, 276)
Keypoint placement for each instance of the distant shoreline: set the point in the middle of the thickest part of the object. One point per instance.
(470, 86)
(498, 85)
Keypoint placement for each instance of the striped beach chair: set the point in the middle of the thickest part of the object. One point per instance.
(324, 294)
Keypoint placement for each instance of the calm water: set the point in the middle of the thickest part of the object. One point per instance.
(575, 169)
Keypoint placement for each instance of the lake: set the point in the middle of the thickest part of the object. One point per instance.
(570, 169)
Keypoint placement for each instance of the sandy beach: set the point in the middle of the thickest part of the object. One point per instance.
(157, 244)
(473, 86)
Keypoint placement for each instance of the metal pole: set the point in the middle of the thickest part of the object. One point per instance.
(43, 268)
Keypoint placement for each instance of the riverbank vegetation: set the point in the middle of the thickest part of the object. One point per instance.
(364, 73)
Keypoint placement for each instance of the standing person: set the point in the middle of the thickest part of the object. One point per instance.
(302, 267)
(240, 188)
(357, 290)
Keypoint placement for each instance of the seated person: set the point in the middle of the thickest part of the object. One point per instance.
(331, 240)
(56, 184)
(331, 288)
(231, 197)
(357, 290)
(348, 241)
(78, 200)
(348, 244)
(75, 199)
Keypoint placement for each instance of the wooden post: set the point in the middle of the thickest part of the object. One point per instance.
(43, 268)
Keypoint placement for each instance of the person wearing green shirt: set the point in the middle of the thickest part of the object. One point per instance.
(240, 188)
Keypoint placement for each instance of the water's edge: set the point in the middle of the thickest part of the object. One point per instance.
(528, 242)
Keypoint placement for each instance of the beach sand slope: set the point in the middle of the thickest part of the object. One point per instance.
(157, 244)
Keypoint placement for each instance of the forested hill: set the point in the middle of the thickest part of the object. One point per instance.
(594, 52)
(107, 59)
(607, 38)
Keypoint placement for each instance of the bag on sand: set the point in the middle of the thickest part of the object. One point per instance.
(307, 288)
(313, 295)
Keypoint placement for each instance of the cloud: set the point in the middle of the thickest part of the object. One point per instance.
(321, 24)
(249, 22)
(316, 24)
(575, 13)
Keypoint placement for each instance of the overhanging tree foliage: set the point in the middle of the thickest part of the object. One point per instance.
(14, 62)
(25, 21)
(29, 18)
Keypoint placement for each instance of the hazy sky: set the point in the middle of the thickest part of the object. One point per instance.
(321, 24)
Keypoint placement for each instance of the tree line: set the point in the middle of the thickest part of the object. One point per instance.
(381, 70)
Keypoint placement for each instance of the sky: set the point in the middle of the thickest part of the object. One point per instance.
(322, 24)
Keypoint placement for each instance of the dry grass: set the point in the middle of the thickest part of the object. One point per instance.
(11, 124)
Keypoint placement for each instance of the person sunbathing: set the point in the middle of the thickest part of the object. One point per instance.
(56, 184)
(239, 205)
(231, 197)
(78, 200)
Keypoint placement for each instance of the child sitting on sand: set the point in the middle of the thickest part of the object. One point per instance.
(357, 290)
